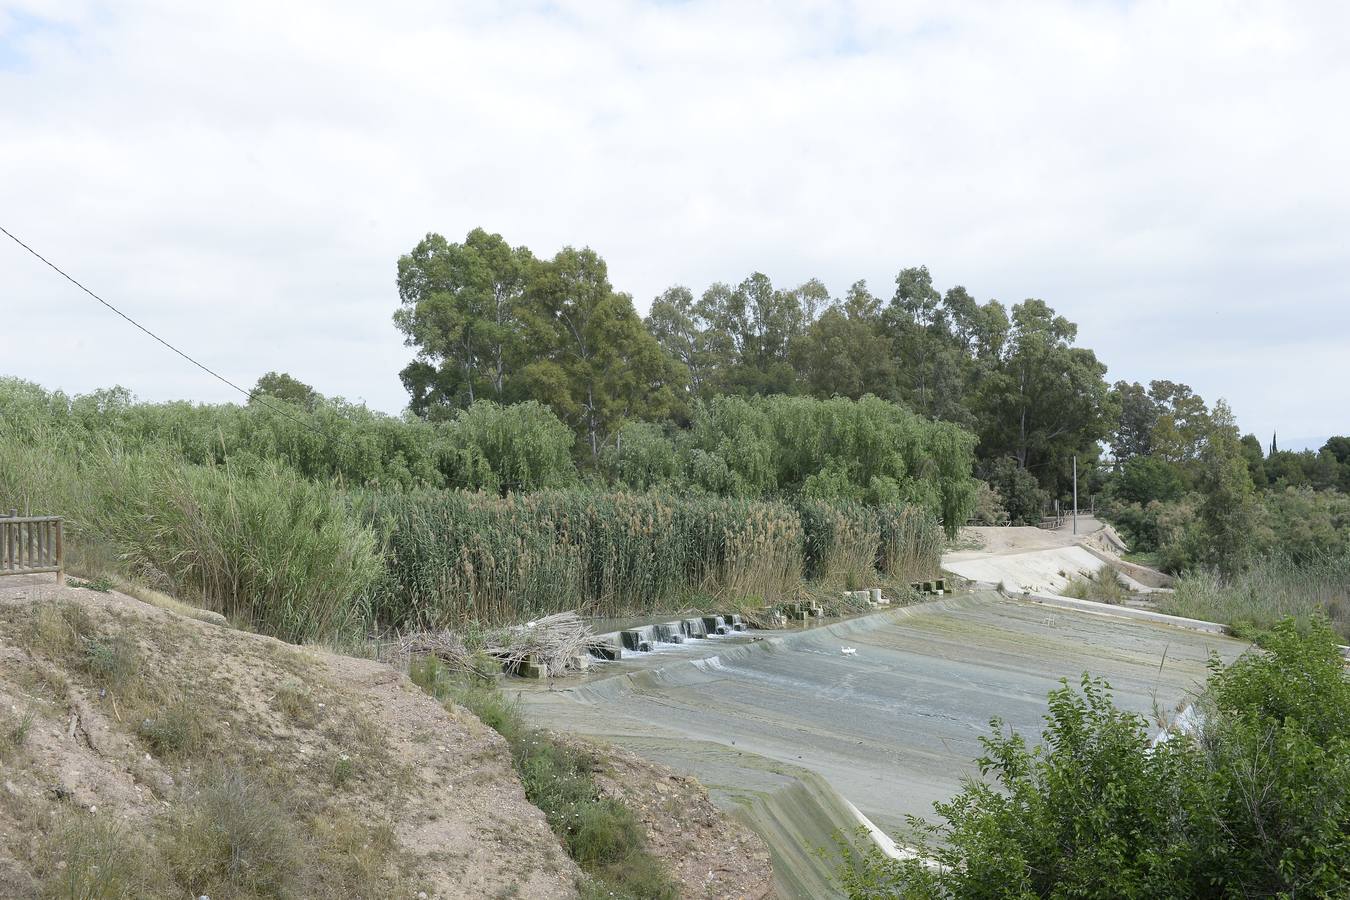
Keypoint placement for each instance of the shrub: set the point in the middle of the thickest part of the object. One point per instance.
(88, 857)
(174, 728)
(1103, 586)
(231, 838)
(1021, 492)
(112, 660)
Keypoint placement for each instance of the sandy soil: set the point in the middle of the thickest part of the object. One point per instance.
(442, 780)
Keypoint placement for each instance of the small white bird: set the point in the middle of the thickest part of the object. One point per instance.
(848, 651)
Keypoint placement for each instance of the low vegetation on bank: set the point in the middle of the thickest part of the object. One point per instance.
(1271, 589)
(148, 755)
(599, 832)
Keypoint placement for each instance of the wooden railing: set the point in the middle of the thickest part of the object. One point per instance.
(31, 544)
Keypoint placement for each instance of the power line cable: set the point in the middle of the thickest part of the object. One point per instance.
(250, 395)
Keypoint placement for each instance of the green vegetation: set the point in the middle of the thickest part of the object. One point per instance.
(491, 321)
(599, 832)
(307, 558)
(455, 558)
(1273, 588)
(1103, 586)
(1257, 804)
(1254, 538)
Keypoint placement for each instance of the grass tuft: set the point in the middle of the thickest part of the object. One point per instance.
(231, 838)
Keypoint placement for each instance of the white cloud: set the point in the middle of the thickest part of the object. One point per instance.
(243, 176)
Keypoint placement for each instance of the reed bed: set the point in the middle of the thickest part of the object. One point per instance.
(911, 543)
(309, 560)
(262, 545)
(453, 558)
(1272, 589)
(842, 541)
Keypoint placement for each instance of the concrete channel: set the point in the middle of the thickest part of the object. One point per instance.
(796, 731)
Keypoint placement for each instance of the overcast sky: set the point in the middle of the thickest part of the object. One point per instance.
(242, 177)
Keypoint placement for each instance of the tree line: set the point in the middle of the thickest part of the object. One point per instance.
(1188, 488)
(488, 320)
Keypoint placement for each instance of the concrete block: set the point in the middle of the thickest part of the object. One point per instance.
(579, 663)
(694, 628)
(875, 595)
(940, 584)
(639, 638)
(607, 650)
(668, 632)
(714, 625)
(528, 668)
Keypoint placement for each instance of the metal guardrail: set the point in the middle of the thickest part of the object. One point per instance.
(31, 545)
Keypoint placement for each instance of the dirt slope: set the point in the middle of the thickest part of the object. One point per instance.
(136, 732)
(712, 856)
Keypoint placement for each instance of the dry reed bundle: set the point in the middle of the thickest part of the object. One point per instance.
(553, 642)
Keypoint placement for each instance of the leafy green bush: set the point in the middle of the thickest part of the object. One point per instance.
(1256, 804)
(867, 450)
(1022, 495)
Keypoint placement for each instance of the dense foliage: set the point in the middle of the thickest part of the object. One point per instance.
(278, 530)
(489, 320)
(1256, 804)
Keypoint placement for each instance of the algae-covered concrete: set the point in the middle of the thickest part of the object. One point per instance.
(776, 728)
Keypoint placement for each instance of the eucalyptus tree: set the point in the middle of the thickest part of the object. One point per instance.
(462, 308)
(594, 363)
(1045, 399)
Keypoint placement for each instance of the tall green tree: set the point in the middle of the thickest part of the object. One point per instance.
(1045, 399)
(462, 308)
(1182, 424)
(678, 325)
(751, 328)
(843, 352)
(1138, 416)
(1228, 509)
(283, 386)
(597, 367)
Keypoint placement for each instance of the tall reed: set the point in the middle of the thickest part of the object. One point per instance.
(453, 557)
(911, 543)
(842, 541)
(262, 545)
(1273, 588)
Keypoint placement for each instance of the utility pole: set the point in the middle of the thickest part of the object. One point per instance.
(1075, 493)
